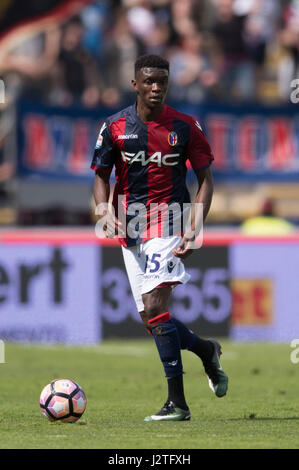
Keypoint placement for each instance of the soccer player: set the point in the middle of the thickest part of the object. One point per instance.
(149, 144)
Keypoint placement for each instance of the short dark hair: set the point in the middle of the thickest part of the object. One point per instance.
(151, 60)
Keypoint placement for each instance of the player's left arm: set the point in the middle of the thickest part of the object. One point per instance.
(205, 190)
(201, 157)
(203, 202)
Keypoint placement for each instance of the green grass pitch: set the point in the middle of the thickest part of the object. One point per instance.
(124, 382)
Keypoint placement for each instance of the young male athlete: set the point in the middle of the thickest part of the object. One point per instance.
(149, 144)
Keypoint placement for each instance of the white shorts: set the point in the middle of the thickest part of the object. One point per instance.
(152, 263)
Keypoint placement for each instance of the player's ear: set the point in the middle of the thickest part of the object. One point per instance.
(134, 84)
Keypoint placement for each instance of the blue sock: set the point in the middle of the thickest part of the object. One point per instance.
(203, 348)
(168, 344)
(188, 339)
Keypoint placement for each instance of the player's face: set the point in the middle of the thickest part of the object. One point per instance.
(151, 86)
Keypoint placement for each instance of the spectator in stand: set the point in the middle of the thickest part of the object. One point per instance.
(260, 37)
(141, 17)
(236, 70)
(182, 21)
(261, 23)
(204, 14)
(77, 68)
(121, 51)
(54, 67)
(192, 74)
(288, 67)
(161, 11)
(157, 42)
(96, 17)
(27, 67)
(88, 61)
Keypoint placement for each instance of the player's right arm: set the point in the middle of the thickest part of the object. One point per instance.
(101, 188)
(101, 192)
(102, 163)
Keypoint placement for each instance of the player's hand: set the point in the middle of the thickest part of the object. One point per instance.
(113, 227)
(184, 249)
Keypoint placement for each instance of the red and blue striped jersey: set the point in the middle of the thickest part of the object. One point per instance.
(150, 158)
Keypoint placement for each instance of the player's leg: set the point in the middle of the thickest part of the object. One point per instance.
(209, 351)
(157, 303)
(158, 321)
(170, 270)
(134, 261)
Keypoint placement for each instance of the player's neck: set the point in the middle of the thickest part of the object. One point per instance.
(148, 114)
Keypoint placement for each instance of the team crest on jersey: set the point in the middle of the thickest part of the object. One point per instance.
(172, 138)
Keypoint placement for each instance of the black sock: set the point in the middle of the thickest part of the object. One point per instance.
(203, 349)
(176, 391)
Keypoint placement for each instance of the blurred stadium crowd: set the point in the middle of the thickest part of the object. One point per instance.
(222, 51)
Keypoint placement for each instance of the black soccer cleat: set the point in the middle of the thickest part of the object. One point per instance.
(218, 380)
(170, 412)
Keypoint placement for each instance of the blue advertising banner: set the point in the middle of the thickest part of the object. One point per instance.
(250, 143)
(57, 143)
(253, 143)
(48, 306)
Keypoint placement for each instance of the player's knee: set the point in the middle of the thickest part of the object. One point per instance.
(145, 319)
(153, 305)
(152, 310)
(148, 315)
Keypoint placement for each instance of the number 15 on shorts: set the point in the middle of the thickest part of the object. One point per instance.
(153, 265)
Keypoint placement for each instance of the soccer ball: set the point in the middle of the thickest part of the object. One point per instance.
(63, 400)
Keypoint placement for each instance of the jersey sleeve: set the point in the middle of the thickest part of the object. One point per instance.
(199, 150)
(103, 156)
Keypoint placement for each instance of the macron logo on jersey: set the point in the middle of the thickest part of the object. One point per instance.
(127, 136)
(157, 157)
